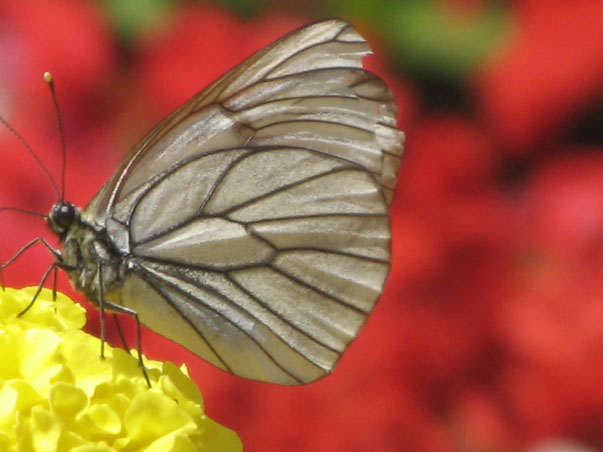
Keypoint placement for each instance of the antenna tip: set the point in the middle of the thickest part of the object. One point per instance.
(47, 77)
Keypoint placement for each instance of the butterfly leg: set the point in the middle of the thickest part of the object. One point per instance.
(120, 332)
(55, 253)
(40, 287)
(114, 307)
(54, 283)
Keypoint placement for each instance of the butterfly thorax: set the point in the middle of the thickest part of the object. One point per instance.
(87, 250)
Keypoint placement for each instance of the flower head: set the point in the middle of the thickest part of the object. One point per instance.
(57, 394)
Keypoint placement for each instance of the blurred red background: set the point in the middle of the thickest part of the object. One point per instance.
(489, 336)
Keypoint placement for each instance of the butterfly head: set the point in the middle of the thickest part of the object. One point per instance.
(61, 217)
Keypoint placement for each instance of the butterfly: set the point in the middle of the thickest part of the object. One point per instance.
(251, 225)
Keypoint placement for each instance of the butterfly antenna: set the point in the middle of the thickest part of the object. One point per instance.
(33, 154)
(18, 209)
(48, 79)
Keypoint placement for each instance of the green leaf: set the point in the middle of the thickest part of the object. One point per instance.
(131, 17)
(431, 38)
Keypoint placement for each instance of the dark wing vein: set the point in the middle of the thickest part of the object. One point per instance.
(228, 320)
(149, 279)
(337, 252)
(265, 305)
(300, 75)
(195, 266)
(318, 215)
(318, 290)
(288, 99)
(311, 120)
(248, 202)
(156, 179)
(209, 268)
(276, 314)
(307, 49)
(288, 187)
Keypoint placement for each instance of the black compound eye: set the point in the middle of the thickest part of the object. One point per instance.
(63, 215)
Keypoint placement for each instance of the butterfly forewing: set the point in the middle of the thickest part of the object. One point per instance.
(255, 217)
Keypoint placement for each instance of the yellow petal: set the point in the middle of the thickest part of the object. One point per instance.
(172, 443)
(104, 418)
(93, 448)
(181, 382)
(217, 437)
(39, 355)
(153, 415)
(28, 394)
(45, 430)
(67, 401)
(8, 402)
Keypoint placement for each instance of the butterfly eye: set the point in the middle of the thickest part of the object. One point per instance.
(62, 216)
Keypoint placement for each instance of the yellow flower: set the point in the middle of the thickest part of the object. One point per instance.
(56, 394)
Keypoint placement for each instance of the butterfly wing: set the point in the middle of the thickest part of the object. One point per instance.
(256, 214)
(317, 69)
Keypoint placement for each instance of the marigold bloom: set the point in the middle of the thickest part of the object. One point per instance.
(56, 394)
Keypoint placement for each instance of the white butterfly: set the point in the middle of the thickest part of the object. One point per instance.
(251, 225)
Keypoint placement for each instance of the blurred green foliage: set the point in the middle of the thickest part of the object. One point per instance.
(130, 18)
(430, 37)
(245, 8)
(433, 39)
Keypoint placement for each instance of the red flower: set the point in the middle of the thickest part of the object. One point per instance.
(550, 68)
(69, 38)
(552, 322)
(199, 44)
